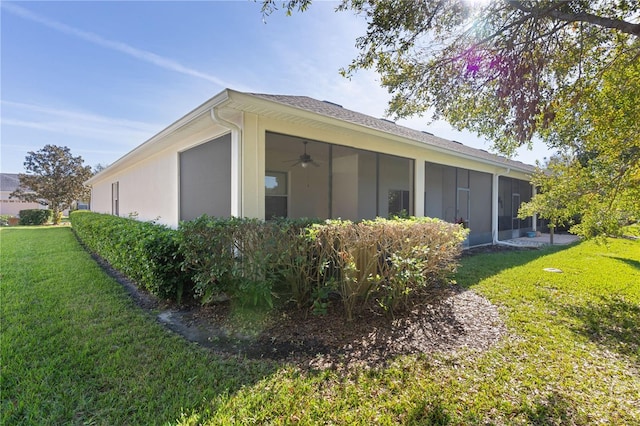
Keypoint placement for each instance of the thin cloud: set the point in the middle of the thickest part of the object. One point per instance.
(91, 126)
(143, 55)
(81, 116)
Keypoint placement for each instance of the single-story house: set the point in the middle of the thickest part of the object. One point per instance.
(264, 156)
(9, 182)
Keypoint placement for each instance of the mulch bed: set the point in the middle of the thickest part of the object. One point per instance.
(452, 319)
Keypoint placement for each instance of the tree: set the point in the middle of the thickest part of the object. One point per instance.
(557, 185)
(499, 68)
(54, 177)
(511, 71)
(99, 167)
(598, 176)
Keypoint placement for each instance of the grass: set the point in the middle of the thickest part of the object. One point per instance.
(632, 230)
(75, 350)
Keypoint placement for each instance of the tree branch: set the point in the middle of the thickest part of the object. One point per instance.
(553, 12)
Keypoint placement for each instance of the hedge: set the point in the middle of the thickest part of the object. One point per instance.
(35, 216)
(246, 260)
(384, 264)
(388, 262)
(145, 252)
(391, 262)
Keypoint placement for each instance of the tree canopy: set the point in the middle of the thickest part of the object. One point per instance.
(55, 177)
(597, 177)
(499, 68)
(563, 71)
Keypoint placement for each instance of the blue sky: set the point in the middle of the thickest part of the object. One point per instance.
(103, 77)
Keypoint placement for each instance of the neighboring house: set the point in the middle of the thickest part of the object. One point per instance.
(263, 156)
(9, 182)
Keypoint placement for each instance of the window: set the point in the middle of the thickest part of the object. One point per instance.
(275, 200)
(115, 198)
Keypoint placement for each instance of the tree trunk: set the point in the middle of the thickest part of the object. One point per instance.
(551, 228)
(56, 215)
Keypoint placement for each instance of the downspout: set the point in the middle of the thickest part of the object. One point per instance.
(236, 159)
(496, 196)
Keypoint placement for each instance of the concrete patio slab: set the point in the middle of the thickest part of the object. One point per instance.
(542, 240)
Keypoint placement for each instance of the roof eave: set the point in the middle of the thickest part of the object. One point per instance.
(238, 98)
(148, 146)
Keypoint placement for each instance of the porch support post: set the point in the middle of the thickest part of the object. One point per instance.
(495, 197)
(495, 207)
(253, 155)
(535, 215)
(418, 185)
(236, 167)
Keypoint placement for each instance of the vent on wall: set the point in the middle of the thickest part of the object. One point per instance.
(332, 103)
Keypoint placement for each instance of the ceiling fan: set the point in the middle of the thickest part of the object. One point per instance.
(305, 159)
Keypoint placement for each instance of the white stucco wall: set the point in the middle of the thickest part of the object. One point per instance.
(149, 188)
(12, 206)
(147, 191)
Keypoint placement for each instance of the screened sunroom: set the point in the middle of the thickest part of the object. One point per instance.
(320, 179)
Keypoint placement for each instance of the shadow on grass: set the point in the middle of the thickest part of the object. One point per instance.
(484, 262)
(552, 410)
(613, 323)
(549, 410)
(429, 413)
(631, 262)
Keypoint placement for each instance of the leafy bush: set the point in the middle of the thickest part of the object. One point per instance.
(35, 216)
(390, 261)
(145, 252)
(231, 257)
(4, 219)
(386, 261)
(632, 230)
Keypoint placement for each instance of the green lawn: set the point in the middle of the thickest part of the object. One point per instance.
(76, 350)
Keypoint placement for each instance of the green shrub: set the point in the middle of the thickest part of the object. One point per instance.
(145, 252)
(632, 230)
(4, 219)
(385, 262)
(232, 257)
(35, 216)
(390, 262)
